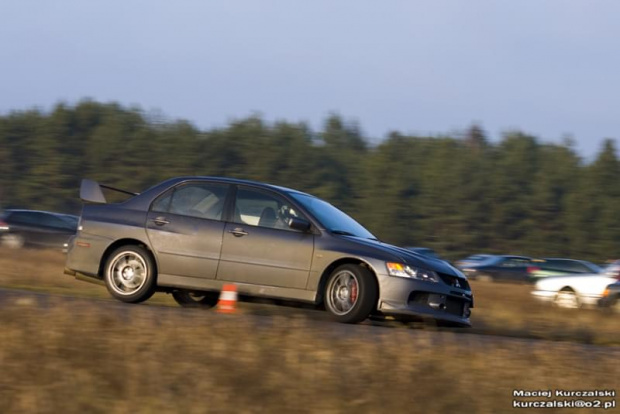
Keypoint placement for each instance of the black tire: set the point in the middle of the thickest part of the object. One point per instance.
(130, 274)
(567, 298)
(339, 294)
(13, 241)
(189, 299)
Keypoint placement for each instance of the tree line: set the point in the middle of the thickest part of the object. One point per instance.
(458, 194)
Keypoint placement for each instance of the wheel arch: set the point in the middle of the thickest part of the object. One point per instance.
(337, 263)
(124, 242)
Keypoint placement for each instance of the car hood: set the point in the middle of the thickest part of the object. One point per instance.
(409, 257)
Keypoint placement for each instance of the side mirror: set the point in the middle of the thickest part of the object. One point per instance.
(300, 224)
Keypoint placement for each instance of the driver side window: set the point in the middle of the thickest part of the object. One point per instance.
(262, 209)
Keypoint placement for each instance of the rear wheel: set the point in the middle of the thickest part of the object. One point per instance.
(567, 298)
(130, 275)
(13, 241)
(189, 299)
(351, 294)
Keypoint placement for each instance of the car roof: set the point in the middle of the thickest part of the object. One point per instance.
(564, 259)
(176, 180)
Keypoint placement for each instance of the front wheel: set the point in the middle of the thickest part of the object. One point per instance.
(567, 298)
(195, 299)
(130, 275)
(13, 241)
(351, 294)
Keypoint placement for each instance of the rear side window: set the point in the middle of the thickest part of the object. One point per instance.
(516, 262)
(200, 200)
(26, 218)
(50, 220)
(568, 266)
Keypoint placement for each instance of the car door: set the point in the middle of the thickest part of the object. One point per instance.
(33, 226)
(514, 269)
(185, 228)
(259, 247)
(55, 231)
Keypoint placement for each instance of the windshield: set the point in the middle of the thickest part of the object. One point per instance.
(333, 219)
(593, 267)
(477, 258)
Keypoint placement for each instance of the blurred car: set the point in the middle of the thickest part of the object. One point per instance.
(424, 251)
(611, 297)
(499, 268)
(473, 260)
(574, 291)
(559, 267)
(32, 228)
(190, 236)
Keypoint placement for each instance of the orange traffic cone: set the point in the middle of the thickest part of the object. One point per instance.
(228, 299)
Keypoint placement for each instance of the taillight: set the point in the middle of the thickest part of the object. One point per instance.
(4, 225)
(532, 269)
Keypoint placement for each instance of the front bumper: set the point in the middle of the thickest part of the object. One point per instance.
(421, 299)
(544, 295)
(548, 296)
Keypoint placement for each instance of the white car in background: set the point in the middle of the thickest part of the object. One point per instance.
(575, 291)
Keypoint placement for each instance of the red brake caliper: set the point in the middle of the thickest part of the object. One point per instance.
(353, 291)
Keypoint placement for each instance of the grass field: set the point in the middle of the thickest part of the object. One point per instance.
(77, 356)
(501, 309)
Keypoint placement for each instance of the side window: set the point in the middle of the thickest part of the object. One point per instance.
(514, 262)
(201, 200)
(162, 204)
(51, 221)
(262, 209)
(27, 218)
(577, 267)
(550, 265)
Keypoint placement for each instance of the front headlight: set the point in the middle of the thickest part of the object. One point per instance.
(403, 270)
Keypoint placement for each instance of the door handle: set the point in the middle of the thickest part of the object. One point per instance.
(160, 221)
(238, 232)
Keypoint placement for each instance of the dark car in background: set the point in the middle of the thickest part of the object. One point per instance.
(498, 268)
(473, 260)
(189, 236)
(560, 267)
(32, 228)
(611, 297)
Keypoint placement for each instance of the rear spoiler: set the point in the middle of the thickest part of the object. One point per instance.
(90, 191)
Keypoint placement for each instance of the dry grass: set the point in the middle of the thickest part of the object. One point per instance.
(96, 357)
(79, 355)
(501, 309)
(511, 310)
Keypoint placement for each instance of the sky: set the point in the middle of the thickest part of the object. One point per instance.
(550, 68)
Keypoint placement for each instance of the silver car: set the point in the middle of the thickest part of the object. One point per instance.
(189, 236)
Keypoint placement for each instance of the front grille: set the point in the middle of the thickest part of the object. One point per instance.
(448, 304)
(454, 306)
(454, 281)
